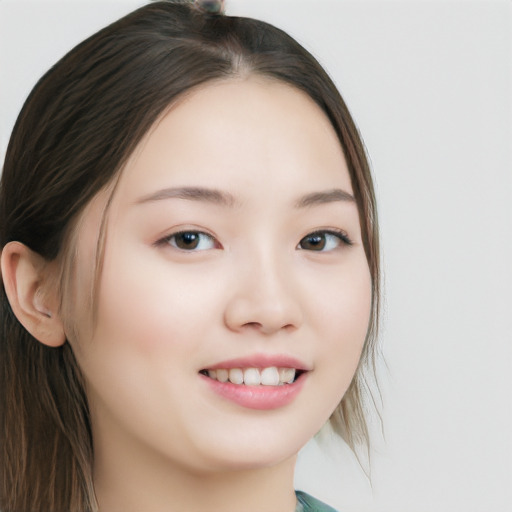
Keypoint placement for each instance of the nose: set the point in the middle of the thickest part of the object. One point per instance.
(264, 299)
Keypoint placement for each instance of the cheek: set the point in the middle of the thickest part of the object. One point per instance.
(153, 306)
(342, 317)
(343, 306)
(147, 335)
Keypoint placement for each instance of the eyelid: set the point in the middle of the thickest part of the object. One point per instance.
(165, 241)
(338, 233)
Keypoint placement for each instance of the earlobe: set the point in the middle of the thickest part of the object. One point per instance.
(30, 293)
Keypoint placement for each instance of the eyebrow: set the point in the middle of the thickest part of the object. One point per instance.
(329, 196)
(226, 199)
(208, 195)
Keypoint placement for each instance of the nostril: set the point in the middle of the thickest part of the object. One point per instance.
(253, 325)
(261, 312)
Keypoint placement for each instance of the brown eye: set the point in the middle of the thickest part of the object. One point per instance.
(323, 241)
(191, 241)
(315, 242)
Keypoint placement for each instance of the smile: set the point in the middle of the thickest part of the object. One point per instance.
(270, 376)
(264, 388)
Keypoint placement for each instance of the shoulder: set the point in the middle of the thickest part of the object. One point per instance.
(306, 503)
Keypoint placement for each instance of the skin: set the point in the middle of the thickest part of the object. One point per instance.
(163, 439)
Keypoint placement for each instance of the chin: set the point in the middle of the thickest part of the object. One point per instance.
(255, 450)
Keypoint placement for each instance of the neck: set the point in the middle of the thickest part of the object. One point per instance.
(134, 480)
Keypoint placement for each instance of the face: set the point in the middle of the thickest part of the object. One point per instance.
(233, 252)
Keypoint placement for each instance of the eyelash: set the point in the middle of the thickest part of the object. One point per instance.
(168, 239)
(342, 237)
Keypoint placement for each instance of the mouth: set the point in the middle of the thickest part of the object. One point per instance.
(268, 376)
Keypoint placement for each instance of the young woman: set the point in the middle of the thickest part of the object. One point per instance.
(190, 271)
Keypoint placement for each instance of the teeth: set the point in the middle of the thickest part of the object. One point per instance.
(222, 375)
(252, 377)
(271, 376)
(236, 376)
(287, 375)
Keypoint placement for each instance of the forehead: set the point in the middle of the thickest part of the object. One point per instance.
(236, 134)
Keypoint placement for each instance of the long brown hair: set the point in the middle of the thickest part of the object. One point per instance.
(76, 130)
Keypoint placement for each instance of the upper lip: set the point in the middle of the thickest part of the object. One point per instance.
(261, 361)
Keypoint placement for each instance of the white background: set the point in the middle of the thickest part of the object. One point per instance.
(429, 84)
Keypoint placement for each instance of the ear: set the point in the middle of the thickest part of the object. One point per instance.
(33, 300)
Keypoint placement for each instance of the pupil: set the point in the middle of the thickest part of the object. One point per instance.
(315, 242)
(187, 240)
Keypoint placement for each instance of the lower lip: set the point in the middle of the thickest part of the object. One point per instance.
(257, 397)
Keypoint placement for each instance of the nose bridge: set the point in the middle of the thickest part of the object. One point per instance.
(269, 278)
(264, 296)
